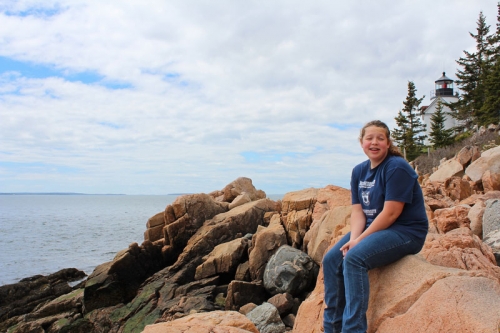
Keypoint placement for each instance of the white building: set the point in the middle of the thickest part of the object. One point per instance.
(443, 92)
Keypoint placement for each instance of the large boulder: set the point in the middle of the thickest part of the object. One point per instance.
(215, 321)
(328, 198)
(447, 219)
(489, 160)
(491, 216)
(406, 296)
(283, 302)
(299, 200)
(223, 259)
(197, 296)
(331, 224)
(449, 168)
(17, 300)
(460, 248)
(452, 304)
(154, 227)
(239, 186)
(241, 199)
(267, 319)
(492, 239)
(186, 215)
(490, 181)
(475, 216)
(240, 293)
(56, 315)
(222, 228)
(265, 242)
(117, 281)
(297, 210)
(290, 271)
(435, 195)
(468, 154)
(457, 188)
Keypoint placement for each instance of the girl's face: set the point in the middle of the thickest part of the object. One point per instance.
(375, 144)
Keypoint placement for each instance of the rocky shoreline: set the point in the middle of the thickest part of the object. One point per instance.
(235, 261)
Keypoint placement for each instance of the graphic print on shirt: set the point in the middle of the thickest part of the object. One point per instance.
(365, 196)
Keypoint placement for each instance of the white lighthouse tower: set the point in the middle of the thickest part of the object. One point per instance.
(444, 92)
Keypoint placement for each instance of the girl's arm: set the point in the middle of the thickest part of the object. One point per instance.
(358, 221)
(389, 214)
(358, 224)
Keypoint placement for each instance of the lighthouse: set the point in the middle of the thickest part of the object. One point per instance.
(444, 87)
(443, 91)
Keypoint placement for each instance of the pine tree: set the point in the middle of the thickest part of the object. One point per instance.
(439, 135)
(490, 110)
(409, 135)
(471, 79)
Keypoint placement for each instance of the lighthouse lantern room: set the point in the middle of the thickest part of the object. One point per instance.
(444, 87)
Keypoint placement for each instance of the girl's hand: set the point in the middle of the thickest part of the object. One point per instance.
(349, 245)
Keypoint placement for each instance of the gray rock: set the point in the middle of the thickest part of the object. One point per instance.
(491, 216)
(267, 319)
(290, 271)
(493, 240)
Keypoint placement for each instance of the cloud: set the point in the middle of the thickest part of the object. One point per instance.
(161, 97)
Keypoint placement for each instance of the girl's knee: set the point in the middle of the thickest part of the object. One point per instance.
(354, 258)
(332, 256)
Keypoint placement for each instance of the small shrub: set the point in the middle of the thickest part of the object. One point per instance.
(462, 136)
(426, 162)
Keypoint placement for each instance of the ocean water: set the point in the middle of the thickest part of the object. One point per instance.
(41, 234)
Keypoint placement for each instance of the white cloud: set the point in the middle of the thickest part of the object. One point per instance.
(204, 83)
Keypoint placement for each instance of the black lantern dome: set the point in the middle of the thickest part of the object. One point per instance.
(444, 86)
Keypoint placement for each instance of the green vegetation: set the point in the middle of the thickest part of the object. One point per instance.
(439, 135)
(471, 78)
(426, 162)
(478, 103)
(408, 134)
(479, 78)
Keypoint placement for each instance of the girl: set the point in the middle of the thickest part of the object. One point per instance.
(388, 221)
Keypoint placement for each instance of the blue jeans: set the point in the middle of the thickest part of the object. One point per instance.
(347, 287)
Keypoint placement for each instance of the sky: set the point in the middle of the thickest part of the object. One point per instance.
(180, 96)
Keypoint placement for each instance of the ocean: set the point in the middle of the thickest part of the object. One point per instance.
(41, 234)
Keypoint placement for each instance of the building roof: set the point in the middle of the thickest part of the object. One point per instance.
(444, 78)
(445, 99)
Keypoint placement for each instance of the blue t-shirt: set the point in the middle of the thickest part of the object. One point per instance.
(392, 180)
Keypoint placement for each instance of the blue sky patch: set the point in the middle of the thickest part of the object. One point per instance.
(343, 127)
(39, 71)
(36, 11)
(171, 76)
(175, 78)
(115, 85)
(110, 125)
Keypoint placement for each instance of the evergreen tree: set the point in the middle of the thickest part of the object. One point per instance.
(490, 110)
(439, 135)
(471, 78)
(408, 136)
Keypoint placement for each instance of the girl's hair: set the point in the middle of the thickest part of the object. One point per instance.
(393, 150)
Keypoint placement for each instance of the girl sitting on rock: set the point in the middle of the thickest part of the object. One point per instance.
(388, 222)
